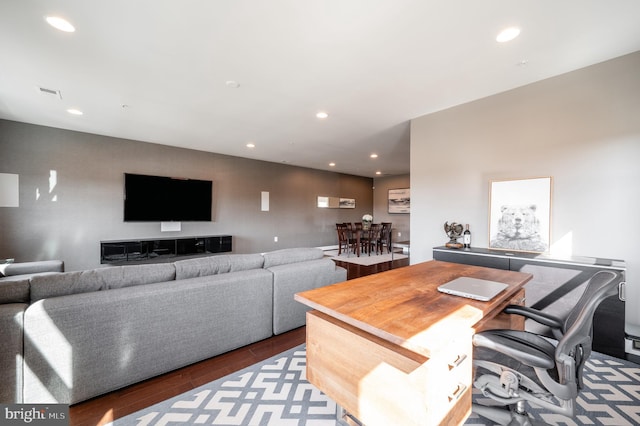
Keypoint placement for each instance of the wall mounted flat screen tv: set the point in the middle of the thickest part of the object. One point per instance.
(165, 199)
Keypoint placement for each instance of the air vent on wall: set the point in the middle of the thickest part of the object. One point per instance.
(49, 92)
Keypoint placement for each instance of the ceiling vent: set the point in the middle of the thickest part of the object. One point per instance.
(49, 92)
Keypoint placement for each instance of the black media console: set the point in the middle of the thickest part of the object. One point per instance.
(555, 288)
(162, 249)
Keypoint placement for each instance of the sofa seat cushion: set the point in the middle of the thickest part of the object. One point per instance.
(112, 277)
(219, 264)
(292, 255)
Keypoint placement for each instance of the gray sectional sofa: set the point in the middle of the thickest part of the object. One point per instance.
(76, 335)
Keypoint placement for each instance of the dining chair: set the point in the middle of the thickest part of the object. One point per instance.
(370, 238)
(352, 236)
(385, 237)
(343, 237)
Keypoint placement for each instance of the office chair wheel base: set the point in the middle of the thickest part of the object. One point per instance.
(505, 416)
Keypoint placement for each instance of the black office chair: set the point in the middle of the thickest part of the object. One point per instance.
(513, 366)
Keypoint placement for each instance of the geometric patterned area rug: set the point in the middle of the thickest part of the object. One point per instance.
(275, 392)
(272, 392)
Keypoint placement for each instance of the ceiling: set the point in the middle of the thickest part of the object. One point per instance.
(158, 70)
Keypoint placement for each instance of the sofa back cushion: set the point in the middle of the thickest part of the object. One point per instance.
(44, 286)
(14, 291)
(130, 275)
(220, 264)
(292, 255)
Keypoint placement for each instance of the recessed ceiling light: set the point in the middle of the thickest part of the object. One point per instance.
(60, 24)
(332, 164)
(378, 172)
(251, 145)
(322, 115)
(508, 34)
(74, 111)
(374, 155)
(232, 84)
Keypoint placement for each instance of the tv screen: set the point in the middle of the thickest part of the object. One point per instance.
(164, 199)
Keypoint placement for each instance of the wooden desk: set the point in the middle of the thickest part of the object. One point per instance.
(390, 349)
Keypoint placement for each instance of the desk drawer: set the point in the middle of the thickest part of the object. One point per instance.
(381, 383)
(447, 377)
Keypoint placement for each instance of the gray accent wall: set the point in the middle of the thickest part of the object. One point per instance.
(71, 196)
(400, 221)
(582, 128)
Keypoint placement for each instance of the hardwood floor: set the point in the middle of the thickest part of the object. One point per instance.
(104, 409)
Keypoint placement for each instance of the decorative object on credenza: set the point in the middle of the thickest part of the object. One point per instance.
(366, 221)
(520, 215)
(466, 238)
(453, 231)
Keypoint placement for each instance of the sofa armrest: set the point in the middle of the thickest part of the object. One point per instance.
(11, 349)
(293, 278)
(25, 268)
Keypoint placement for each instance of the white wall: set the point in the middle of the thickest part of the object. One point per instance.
(581, 128)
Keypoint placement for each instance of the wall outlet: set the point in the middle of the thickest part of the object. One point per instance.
(399, 234)
(275, 239)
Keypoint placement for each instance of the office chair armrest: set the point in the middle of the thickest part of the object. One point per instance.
(525, 347)
(536, 315)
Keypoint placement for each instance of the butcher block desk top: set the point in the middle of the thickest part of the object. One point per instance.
(404, 307)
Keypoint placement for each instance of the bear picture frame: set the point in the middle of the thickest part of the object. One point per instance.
(520, 214)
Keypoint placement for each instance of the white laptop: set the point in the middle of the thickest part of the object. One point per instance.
(473, 288)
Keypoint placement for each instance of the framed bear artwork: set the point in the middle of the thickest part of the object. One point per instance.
(520, 215)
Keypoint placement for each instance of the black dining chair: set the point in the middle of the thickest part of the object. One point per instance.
(343, 241)
(385, 237)
(370, 238)
(346, 241)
